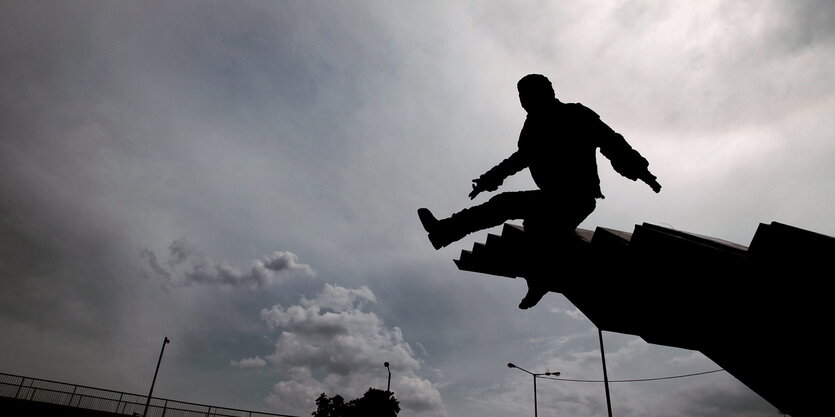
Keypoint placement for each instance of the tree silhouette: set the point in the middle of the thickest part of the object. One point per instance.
(329, 407)
(374, 403)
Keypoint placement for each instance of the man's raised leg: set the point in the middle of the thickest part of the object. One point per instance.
(493, 212)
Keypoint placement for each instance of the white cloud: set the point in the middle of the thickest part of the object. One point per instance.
(574, 313)
(337, 298)
(254, 362)
(186, 266)
(329, 344)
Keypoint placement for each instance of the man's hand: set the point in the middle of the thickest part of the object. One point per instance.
(474, 192)
(650, 180)
(480, 185)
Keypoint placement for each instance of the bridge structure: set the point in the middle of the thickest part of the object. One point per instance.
(760, 312)
(22, 395)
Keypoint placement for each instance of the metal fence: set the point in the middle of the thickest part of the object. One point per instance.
(80, 396)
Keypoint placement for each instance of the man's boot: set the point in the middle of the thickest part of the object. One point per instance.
(441, 232)
(536, 290)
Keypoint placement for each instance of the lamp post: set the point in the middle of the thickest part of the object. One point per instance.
(154, 381)
(388, 386)
(534, 375)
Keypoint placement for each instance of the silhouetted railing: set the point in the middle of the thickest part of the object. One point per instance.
(80, 396)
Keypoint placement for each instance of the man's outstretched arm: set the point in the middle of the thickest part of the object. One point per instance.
(492, 179)
(625, 160)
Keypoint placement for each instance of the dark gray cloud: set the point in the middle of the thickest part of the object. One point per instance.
(722, 397)
(252, 126)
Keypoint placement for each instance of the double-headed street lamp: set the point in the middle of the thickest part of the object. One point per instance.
(534, 375)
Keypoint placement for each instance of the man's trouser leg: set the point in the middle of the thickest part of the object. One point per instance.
(551, 236)
(493, 212)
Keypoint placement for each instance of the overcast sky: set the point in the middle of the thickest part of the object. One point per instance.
(242, 177)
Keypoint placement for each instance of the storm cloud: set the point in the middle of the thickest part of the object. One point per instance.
(178, 169)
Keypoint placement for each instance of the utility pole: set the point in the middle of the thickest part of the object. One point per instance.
(605, 373)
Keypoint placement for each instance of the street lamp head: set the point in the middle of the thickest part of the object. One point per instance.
(511, 365)
(552, 373)
(166, 341)
(386, 364)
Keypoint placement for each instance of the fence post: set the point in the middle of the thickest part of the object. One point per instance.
(118, 403)
(164, 407)
(75, 387)
(19, 387)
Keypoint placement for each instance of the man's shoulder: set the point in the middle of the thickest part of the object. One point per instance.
(579, 110)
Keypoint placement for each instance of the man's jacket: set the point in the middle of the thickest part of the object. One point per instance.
(559, 146)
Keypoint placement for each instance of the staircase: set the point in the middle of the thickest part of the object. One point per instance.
(757, 311)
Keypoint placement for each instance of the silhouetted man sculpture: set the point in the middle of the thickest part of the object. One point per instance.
(558, 145)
